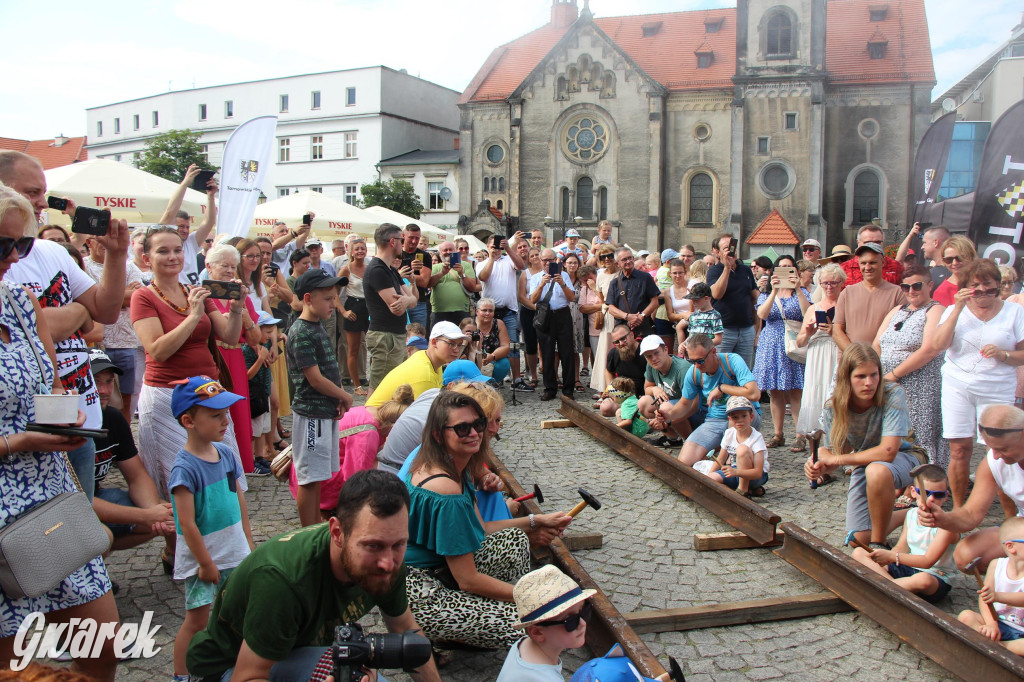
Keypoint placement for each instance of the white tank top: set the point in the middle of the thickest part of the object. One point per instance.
(679, 305)
(1009, 478)
(1011, 615)
(355, 285)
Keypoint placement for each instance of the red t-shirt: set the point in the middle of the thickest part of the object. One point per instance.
(892, 271)
(193, 358)
(945, 292)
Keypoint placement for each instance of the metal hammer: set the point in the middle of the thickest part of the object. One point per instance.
(535, 494)
(973, 568)
(588, 499)
(813, 440)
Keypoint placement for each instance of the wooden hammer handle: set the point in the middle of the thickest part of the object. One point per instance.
(578, 508)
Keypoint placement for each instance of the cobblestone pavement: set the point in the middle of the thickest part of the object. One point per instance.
(647, 562)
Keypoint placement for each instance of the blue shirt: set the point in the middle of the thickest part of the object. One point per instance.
(735, 373)
(558, 299)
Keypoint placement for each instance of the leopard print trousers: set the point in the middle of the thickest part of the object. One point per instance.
(457, 616)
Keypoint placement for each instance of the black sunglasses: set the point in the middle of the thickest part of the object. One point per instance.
(916, 286)
(700, 362)
(997, 433)
(572, 622)
(607, 256)
(937, 494)
(462, 430)
(22, 244)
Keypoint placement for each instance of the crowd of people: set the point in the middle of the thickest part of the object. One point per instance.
(892, 365)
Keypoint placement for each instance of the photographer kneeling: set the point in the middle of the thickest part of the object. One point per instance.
(491, 341)
(275, 622)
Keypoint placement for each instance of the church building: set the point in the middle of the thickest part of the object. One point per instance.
(681, 125)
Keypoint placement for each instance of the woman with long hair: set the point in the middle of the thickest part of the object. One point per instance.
(867, 425)
(957, 253)
(591, 308)
(222, 265)
(461, 570)
(607, 272)
(356, 317)
(983, 337)
(822, 351)
(775, 372)
(903, 343)
(572, 263)
(279, 298)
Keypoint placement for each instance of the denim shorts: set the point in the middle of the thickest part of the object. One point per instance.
(709, 434)
(511, 320)
(199, 592)
(858, 517)
(124, 358)
(1008, 634)
(934, 598)
(734, 481)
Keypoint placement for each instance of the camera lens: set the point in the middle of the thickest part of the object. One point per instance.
(406, 651)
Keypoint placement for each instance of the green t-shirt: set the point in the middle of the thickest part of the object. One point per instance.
(283, 596)
(672, 381)
(447, 295)
(308, 346)
(629, 410)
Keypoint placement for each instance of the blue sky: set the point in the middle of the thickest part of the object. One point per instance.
(65, 55)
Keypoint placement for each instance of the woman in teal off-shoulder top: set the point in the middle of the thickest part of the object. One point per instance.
(460, 569)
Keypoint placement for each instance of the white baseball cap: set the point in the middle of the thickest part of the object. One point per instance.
(812, 242)
(448, 330)
(650, 343)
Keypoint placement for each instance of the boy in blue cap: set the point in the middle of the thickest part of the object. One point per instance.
(210, 517)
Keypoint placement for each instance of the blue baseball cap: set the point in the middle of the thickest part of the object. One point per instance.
(669, 254)
(463, 370)
(571, 233)
(266, 318)
(613, 667)
(203, 391)
(417, 341)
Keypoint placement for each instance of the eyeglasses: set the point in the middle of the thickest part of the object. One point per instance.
(948, 260)
(937, 494)
(700, 362)
(208, 241)
(997, 433)
(252, 256)
(572, 622)
(462, 429)
(1007, 283)
(463, 248)
(829, 284)
(453, 344)
(547, 260)
(607, 256)
(810, 248)
(979, 292)
(916, 286)
(619, 342)
(22, 244)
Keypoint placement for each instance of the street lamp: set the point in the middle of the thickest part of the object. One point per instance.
(562, 224)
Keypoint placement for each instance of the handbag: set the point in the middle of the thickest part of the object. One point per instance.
(50, 541)
(793, 351)
(542, 318)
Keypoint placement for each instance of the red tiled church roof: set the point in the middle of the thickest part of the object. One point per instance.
(668, 55)
(773, 230)
(49, 155)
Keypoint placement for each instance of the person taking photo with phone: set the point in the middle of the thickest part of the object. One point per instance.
(451, 284)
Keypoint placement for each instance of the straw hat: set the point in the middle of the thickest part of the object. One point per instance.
(840, 253)
(545, 594)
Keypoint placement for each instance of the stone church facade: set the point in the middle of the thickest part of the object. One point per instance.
(677, 126)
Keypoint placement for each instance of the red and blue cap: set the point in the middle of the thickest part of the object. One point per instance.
(201, 390)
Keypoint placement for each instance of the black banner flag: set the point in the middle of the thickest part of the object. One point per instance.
(998, 214)
(930, 163)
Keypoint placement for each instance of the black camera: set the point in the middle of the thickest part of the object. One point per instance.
(474, 336)
(352, 651)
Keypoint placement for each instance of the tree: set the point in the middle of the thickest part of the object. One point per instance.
(398, 195)
(169, 155)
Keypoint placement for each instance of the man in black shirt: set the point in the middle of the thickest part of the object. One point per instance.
(136, 515)
(387, 300)
(734, 293)
(632, 295)
(624, 360)
(420, 275)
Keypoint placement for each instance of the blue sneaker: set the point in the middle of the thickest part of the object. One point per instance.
(261, 467)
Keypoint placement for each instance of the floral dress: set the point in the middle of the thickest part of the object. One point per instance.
(773, 369)
(900, 339)
(578, 323)
(30, 478)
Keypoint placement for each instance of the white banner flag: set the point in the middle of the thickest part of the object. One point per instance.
(246, 159)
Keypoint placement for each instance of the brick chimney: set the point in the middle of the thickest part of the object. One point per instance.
(563, 13)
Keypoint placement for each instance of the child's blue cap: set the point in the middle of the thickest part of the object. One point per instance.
(266, 318)
(614, 667)
(463, 370)
(201, 391)
(417, 341)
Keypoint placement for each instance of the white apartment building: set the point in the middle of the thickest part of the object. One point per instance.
(333, 127)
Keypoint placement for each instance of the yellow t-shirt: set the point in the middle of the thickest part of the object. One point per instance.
(417, 371)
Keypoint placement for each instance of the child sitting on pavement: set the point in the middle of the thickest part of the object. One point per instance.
(742, 462)
(922, 560)
(1003, 592)
(210, 515)
(552, 609)
(623, 392)
(702, 319)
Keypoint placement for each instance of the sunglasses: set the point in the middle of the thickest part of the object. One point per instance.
(948, 260)
(572, 622)
(701, 361)
(607, 256)
(810, 248)
(916, 286)
(462, 430)
(979, 292)
(464, 248)
(997, 433)
(22, 244)
(937, 494)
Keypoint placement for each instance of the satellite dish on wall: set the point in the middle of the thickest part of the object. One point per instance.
(948, 104)
(446, 193)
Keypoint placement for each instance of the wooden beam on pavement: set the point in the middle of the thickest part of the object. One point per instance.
(933, 632)
(606, 626)
(572, 542)
(711, 542)
(556, 424)
(755, 521)
(736, 613)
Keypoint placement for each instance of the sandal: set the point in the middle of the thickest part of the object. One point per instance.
(283, 431)
(584, 372)
(800, 445)
(903, 502)
(280, 445)
(579, 387)
(359, 390)
(777, 440)
(825, 479)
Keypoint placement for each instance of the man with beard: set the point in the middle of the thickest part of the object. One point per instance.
(624, 360)
(276, 616)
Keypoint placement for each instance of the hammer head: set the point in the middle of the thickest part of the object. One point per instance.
(537, 494)
(589, 499)
(972, 565)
